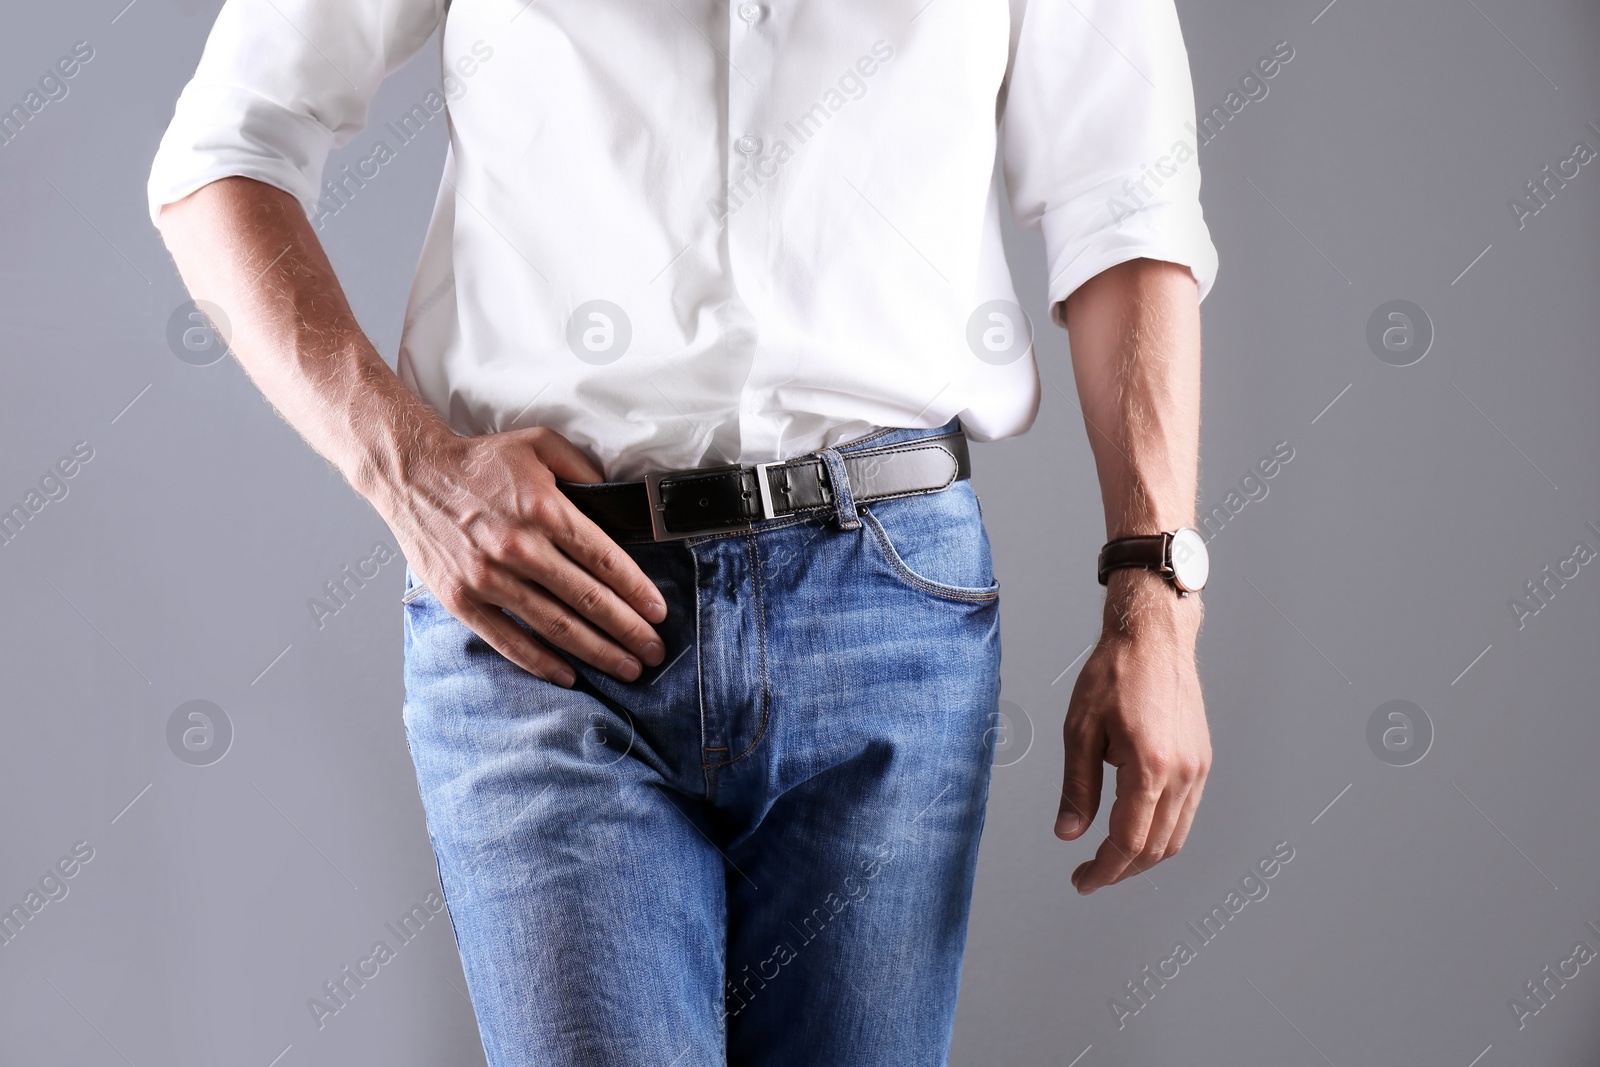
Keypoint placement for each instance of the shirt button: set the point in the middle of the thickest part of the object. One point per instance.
(749, 145)
(751, 13)
(756, 402)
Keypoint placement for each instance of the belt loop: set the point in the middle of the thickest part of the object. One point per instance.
(844, 501)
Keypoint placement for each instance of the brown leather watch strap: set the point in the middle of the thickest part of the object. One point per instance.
(1140, 551)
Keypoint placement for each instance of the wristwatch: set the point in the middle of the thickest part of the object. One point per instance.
(1180, 557)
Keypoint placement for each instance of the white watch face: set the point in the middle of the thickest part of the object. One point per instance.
(1191, 563)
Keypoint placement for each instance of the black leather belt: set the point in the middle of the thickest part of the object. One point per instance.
(704, 500)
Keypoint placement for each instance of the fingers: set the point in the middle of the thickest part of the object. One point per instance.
(579, 592)
(1082, 777)
(597, 554)
(1191, 804)
(558, 624)
(1139, 789)
(507, 638)
(575, 603)
(1168, 810)
(1186, 787)
(564, 458)
(1150, 819)
(577, 589)
(577, 535)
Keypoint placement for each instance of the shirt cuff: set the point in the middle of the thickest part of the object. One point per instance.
(220, 131)
(1175, 232)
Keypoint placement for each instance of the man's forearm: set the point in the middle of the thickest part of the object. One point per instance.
(248, 248)
(1135, 333)
(1137, 703)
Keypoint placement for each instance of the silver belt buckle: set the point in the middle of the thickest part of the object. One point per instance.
(658, 518)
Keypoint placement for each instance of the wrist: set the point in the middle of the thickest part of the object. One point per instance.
(1142, 604)
(392, 446)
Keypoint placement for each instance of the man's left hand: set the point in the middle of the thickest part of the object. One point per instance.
(1137, 706)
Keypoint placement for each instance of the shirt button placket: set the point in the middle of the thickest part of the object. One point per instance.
(751, 55)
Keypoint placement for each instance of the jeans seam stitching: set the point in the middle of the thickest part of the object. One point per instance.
(791, 520)
(949, 592)
(707, 771)
(761, 655)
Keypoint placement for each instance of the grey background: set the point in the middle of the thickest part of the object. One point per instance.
(1379, 566)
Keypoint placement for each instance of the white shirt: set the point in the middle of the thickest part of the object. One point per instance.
(789, 208)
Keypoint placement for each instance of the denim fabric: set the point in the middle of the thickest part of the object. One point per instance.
(762, 851)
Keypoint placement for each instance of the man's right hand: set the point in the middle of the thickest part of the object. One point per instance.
(485, 528)
(479, 518)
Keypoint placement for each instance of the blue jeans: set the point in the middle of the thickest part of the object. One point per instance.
(760, 852)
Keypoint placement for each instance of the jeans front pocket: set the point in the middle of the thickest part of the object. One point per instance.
(936, 543)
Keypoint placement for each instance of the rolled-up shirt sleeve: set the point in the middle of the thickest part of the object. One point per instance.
(280, 84)
(1098, 142)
